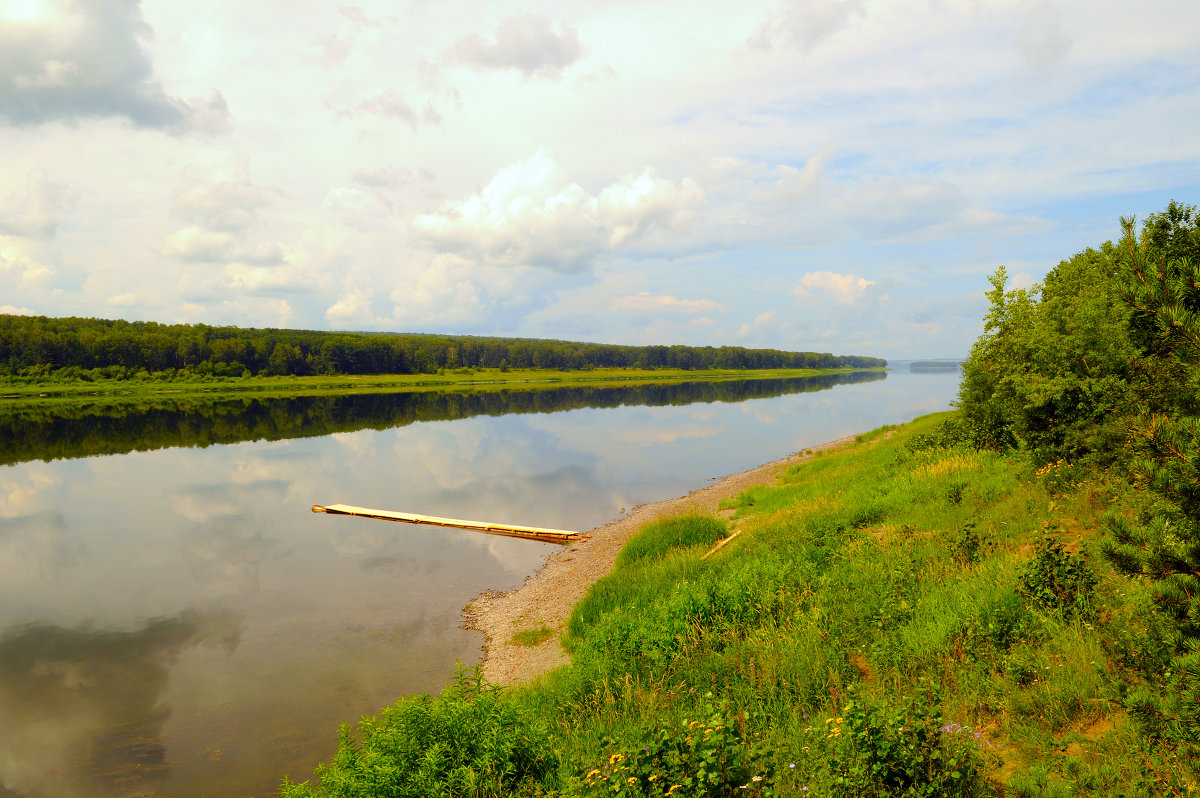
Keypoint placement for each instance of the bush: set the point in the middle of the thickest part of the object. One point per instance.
(910, 751)
(470, 741)
(1059, 581)
(711, 757)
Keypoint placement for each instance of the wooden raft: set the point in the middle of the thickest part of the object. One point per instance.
(524, 532)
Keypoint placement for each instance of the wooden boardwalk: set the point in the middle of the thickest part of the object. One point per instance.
(508, 530)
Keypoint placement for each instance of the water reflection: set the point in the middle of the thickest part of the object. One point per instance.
(82, 707)
(181, 616)
(53, 432)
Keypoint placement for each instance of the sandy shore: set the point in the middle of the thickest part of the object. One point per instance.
(549, 595)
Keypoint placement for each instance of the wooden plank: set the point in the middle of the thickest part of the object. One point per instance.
(508, 530)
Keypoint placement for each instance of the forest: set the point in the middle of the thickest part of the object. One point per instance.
(40, 347)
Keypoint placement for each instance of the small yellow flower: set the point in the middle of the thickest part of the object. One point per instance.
(652, 778)
(615, 758)
(593, 772)
(632, 780)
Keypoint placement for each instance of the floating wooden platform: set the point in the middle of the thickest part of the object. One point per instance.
(524, 532)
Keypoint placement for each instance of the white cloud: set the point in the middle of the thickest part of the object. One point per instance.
(12, 310)
(223, 205)
(649, 303)
(35, 212)
(526, 43)
(530, 214)
(1041, 37)
(15, 258)
(352, 309)
(807, 23)
(845, 289)
(85, 59)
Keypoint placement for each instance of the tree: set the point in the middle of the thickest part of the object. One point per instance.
(1164, 293)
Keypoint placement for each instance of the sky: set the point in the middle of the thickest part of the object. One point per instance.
(819, 175)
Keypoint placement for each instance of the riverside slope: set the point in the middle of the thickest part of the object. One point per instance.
(550, 594)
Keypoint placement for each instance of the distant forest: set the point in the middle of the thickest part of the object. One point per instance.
(41, 346)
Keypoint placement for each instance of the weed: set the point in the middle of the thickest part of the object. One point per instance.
(712, 756)
(906, 751)
(1059, 581)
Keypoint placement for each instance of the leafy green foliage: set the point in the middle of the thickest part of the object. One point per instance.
(470, 741)
(908, 751)
(711, 757)
(1059, 581)
(1051, 372)
(37, 347)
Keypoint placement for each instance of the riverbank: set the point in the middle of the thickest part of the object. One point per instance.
(898, 613)
(548, 596)
(18, 392)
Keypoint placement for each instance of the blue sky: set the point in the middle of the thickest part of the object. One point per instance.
(816, 174)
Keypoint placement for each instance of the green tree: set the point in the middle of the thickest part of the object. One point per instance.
(1051, 371)
(1164, 292)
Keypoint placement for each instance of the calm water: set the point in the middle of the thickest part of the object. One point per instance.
(177, 622)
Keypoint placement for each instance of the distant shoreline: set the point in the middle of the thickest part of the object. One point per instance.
(480, 379)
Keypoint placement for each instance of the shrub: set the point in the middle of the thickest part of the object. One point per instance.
(881, 751)
(469, 741)
(1059, 581)
(710, 757)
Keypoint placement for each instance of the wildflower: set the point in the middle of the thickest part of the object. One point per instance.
(615, 758)
(632, 780)
(793, 765)
(593, 772)
(756, 778)
(653, 777)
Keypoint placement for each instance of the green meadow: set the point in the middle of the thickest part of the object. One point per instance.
(90, 388)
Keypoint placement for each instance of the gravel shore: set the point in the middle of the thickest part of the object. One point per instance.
(549, 594)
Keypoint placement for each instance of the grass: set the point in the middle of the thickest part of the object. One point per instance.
(533, 637)
(887, 610)
(474, 379)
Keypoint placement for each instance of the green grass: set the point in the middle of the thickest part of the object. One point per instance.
(533, 637)
(886, 610)
(474, 379)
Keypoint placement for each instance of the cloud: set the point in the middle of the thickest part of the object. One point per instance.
(352, 309)
(646, 302)
(35, 212)
(804, 24)
(385, 177)
(526, 43)
(223, 206)
(1041, 38)
(531, 215)
(85, 59)
(846, 289)
(391, 104)
(14, 257)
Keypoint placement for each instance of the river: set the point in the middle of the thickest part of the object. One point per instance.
(174, 621)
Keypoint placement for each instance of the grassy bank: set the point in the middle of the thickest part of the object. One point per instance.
(895, 618)
(17, 390)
